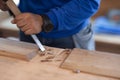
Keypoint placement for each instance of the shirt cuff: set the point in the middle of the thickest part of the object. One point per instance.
(53, 18)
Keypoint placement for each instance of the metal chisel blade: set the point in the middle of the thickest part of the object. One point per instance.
(38, 42)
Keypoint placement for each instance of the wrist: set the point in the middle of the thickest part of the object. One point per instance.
(47, 24)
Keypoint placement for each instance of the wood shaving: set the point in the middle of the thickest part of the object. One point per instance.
(68, 51)
(46, 60)
(76, 71)
(58, 60)
(50, 57)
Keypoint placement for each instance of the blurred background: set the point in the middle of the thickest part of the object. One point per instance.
(106, 26)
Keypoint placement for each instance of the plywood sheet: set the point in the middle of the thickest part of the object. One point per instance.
(17, 49)
(93, 62)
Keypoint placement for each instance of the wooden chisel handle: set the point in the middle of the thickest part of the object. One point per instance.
(14, 9)
(12, 6)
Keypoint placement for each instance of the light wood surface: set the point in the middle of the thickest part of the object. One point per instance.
(94, 62)
(36, 69)
(13, 69)
(16, 49)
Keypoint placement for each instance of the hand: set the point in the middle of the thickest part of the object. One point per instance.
(3, 6)
(29, 23)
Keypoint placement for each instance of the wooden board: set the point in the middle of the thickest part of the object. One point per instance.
(15, 69)
(17, 49)
(107, 43)
(93, 62)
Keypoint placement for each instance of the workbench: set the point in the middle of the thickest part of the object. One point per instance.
(35, 69)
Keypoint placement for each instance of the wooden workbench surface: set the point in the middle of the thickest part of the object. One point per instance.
(14, 69)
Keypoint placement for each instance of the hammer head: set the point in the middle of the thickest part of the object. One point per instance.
(4, 0)
(3, 5)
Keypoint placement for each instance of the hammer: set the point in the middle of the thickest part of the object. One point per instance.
(14, 9)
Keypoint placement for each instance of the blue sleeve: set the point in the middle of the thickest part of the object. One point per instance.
(73, 13)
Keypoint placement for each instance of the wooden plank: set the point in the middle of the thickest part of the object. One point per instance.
(14, 69)
(107, 43)
(93, 62)
(17, 49)
(107, 47)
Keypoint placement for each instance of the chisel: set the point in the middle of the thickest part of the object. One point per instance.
(14, 9)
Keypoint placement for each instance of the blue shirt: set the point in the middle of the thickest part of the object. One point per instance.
(67, 16)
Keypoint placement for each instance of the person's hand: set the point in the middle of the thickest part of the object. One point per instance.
(29, 23)
(3, 6)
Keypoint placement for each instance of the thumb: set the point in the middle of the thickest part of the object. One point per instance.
(13, 21)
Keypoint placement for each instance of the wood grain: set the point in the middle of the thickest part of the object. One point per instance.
(17, 49)
(15, 69)
(93, 62)
(12, 6)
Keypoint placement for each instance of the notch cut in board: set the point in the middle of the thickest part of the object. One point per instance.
(100, 63)
(17, 49)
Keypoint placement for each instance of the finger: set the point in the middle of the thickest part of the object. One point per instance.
(29, 32)
(25, 28)
(21, 23)
(20, 17)
(13, 21)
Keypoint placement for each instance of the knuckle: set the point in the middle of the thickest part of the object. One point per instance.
(37, 31)
(26, 33)
(16, 18)
(27, 14)
(22, 29)
(19, 25)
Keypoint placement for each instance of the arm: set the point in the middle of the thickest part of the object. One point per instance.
(67, 17)
(72, 14)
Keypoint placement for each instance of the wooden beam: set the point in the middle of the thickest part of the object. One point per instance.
(17, 49)
(93, 62)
